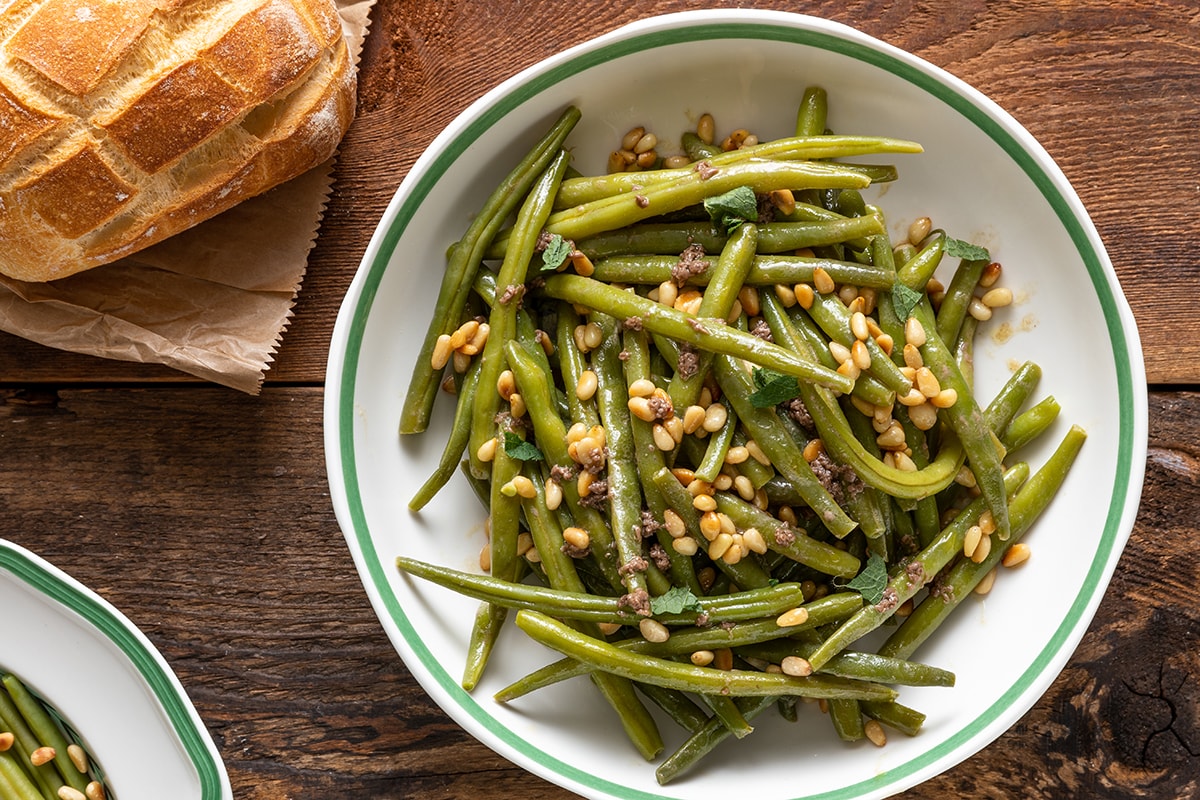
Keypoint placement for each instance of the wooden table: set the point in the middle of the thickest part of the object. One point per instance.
(204, 514)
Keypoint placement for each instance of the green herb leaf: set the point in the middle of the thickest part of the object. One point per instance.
(518, 448)
(957, 248)
(676, 600)
(773, 388)
(556, 253)
(873, 579)
(904, 300)
(731, 209)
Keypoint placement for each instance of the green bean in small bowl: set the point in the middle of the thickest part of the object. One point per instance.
(738, 438)
(88, 707)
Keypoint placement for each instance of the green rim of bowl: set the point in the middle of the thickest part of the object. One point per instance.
(106, 619)
(523, 91)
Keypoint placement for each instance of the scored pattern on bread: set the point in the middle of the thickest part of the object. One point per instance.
(123, 122)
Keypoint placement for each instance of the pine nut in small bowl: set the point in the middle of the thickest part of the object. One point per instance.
(701, 403)
(93, 707)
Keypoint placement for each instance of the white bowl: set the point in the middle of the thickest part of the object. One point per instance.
(982, 178)
(107, 680)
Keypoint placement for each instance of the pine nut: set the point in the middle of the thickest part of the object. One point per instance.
(689, 302)
(839, 351)
(849, 296)
(632, 137)
(858, 326)
(684, 475)
(784, 200)
(982, 551)
(593, 336)
(727, 525)
(986, 582)
(913, 398)
(685, 546)
(796, 666)
(585, 389)
(1016, 554)
(812, 450)
(487, 450)
(674, 524)
(822, 281)
(792, 618)
(715, 417)
(787, 297)
(706, 128)
(719, 545)
(640, 408)
(914, 333)
(924, 416)
(441, 352)
(971, 541)
(645, 144)
(987, 523)
(701, 658)
(710, 525)
(861, 355)
(642, 387)
(94, 791)
(653, 631)
(723, 482)
(892, 438)
(945, 398)
(577, 537)
(736, 455)
(524, 487)
(748, 297)
(485, 558)
(919, 229)
(787, 516)
(6, 741)
(991, 274)
(965, 477)
(753, 539)
(663, 439)
(70, 793)
(875, 733)
(704, 502)
(693, 418)
(554, 494)
(582, 264)
(978, 310)
(997, 298)
(804, 295)
(912, 357)
(674, 426)
(516, 405)
(927, 382)
(698, 486)
(668, 293)
(756, 452)
(903, 461)
(744, 487)
(42, 755)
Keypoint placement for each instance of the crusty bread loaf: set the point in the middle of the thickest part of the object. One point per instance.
(123, 122)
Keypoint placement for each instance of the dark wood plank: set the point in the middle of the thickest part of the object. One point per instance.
(1105, 89)
(205, 517)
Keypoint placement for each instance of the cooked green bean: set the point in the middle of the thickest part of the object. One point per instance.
(465, 259)
(765, 270)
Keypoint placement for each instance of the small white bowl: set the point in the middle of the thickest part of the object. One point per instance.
(87, 660)
(982, 178)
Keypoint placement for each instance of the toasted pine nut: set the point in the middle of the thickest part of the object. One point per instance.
(441, 352)
(924, 416)
(719, 545)
(704, 502)
(645, 144)
(70, 793)
(94, 791)
(554, 494)
(1016, 554)
(860, 354)
(804, 295)
(632, 137)
(978, 310)
(582, 264)
(858, 326)
(6, 740)
(892, 438)
(757, 453)
(706, 128)
(919, 229)
(991, 274)
(998, 297)
(516, 405)
(487, 450)
(685, 546)
(753, 539)
(971, 541)
(812, 449)
(945, 398)
(914, 333)
(524, 487)
(913, 398)
(642, 387)
(640, 408)
(875, 732)
(839, 351)
(986, 582)
(987, 523)
(663, 439)
(736, 455)
(674, 524)
(506, 384)
(982, 551)
(693, 418)
(668, 293)
(485, 557)
(577, 537)
(710, 525)
(702, 658)
(42, 755)
(912, 356)
(792, 618)
(744, 487)
(927, 382)
(787, 297)
(849, 296)
(748, 297)
(822, 281)
(784, 200)
(715, 417)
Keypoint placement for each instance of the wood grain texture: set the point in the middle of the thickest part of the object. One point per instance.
(1108, 90)
(206, 519)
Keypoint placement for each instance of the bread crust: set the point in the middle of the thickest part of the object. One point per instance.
(176, 111)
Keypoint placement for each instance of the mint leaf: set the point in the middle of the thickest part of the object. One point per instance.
(676, 600)
(557, 251)
(957, 248)
(773, 388)
(873, 579)
(904, 300)
(518, 448)
(731, 209)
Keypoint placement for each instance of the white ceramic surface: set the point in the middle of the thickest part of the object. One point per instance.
(982, 178)
(107, 680)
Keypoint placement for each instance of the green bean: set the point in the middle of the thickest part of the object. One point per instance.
(957, 299)
(1008, 401)
(712, 336)
(804, 331)
(846, 716)
(624, 486)
(686, 677)
(456, 442)
(504, 515)
(765, 270)
(856, 664)
(899, 717)
(831, 314)
(551, 435)
(653, 238)
(917, 271)
(726, 710)
(1030, 424)
(24, 743)
(15, 783)
(46, 730)
(1026, 506)
(465, 259)
(719, 443)
(702, 742)
(572, 365)
(716, 303)
(580, 191)
(812, 113)
(744, 605)
(678, 706)
(503, 319)
(903, 585)
(696, 148)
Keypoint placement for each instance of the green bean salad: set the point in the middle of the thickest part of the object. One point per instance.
(725, 430)
(40, 757)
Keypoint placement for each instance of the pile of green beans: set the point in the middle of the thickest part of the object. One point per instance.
(40, 759)
(717, 454)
